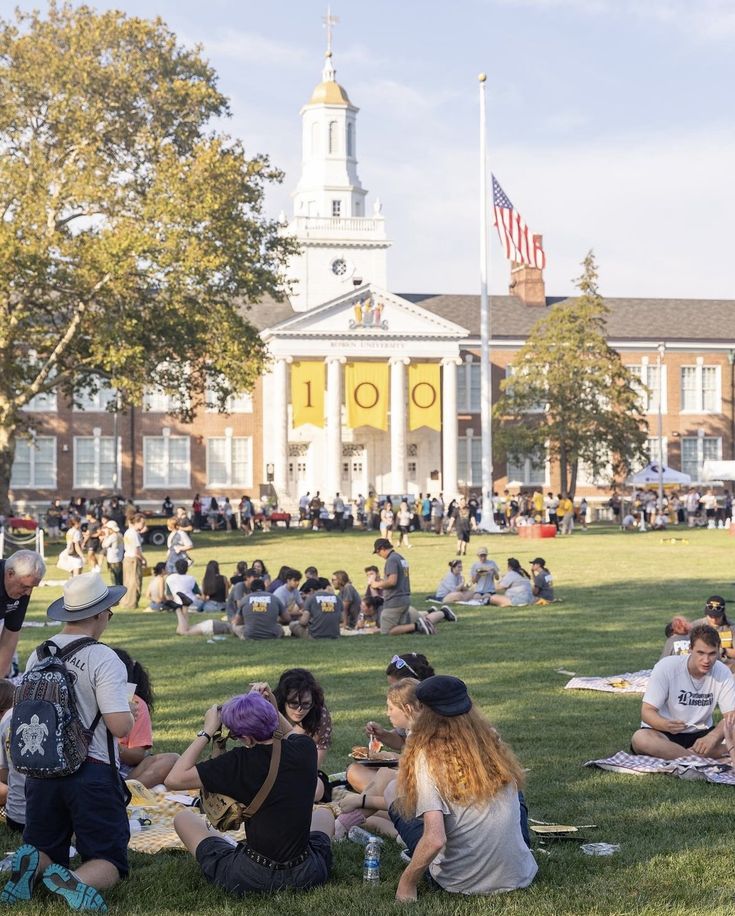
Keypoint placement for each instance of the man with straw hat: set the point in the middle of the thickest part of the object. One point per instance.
(89, 803)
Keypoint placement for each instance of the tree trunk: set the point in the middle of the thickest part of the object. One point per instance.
(7, 453)
(573, 478)
(563, 470)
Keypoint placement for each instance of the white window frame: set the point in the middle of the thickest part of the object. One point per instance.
(241, 402)
(528, 468)
(466, 467)
(465, 372)
(96, 403)
(98, 484)
(33, 484)
(147, 485)
(699, 410)
(699, 438)
(510, 371)
(229, 482)
(649, 402)
(652, 450)
(46, 402)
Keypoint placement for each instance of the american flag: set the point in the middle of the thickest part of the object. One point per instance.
(520, 244)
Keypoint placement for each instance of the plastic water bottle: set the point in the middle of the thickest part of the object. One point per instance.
(371, 862)
(361, 836)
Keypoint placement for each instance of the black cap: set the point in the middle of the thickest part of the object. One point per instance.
(539, 561)
(382, 544)
(445, 695)
(311, 585)
(715, 606)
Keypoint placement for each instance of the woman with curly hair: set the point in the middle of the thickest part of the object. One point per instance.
(300, 700)
(457, 804)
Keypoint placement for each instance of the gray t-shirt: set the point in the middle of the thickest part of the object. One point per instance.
(100, 682)
(517, 588)
(544, 582)
(485, 852)
(260, 613)
(325, 615)
(675, 694)
(290, 598)
(485, 571)
(400, 594)
(15, 805)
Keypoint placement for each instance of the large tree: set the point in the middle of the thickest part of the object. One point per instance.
(570, 396)
(130, 226)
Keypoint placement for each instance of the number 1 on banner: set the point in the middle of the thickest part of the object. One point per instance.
(308, 379)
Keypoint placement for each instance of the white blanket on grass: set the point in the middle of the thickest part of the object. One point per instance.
(631, 682)
(689, 767)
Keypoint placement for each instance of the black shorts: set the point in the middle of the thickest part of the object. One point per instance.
(687, 739)
(230, 868)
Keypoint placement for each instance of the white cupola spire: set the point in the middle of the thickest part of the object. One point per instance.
(329, 199)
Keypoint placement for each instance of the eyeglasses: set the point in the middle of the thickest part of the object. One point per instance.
(400, 663)
(305, 707)
(110, 614)
(714, 606)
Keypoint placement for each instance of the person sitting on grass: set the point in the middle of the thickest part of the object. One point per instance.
(156, 592)
(182, 589)
(288, 845)
(543, 582)
(681, 696)
(261, 615)
(397, 616)
(409, 665)
(368, 620)
(453, 586)
(368, 806)
(322, 614)
(214, 589)
(516, 586)
(136, 760)
(261, 572)
(349, 596)
(457, 804)
(288, 593)
(236, 595)
(484, 573)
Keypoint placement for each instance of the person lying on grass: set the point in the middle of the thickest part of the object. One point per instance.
(681, 696)
(369, 807)
(409, 665)
(287, 845)
(457, 799)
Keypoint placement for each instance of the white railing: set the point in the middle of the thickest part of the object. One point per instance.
(305, 225)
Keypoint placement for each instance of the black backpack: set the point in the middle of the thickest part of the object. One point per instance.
(47, 737)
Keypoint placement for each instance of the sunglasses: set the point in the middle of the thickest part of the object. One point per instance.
(111, 615)
(401, 663)
(302, 706)
(714, 606)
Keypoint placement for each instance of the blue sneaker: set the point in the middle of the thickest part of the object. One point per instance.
(78, 895)
(22, 877)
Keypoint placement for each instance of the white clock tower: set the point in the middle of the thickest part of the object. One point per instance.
(342, 247)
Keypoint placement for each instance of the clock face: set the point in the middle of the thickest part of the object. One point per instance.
(339, 267)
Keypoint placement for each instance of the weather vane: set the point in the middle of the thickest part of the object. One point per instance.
(329, 22)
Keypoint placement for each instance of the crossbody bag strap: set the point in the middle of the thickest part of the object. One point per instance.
(270, 779)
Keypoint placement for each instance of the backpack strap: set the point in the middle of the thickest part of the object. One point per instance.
(270, 779)
(50, 648)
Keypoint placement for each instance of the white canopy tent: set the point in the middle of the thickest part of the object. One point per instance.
(651, 475)
(718, 471)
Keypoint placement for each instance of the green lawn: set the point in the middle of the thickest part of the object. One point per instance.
(618, 591)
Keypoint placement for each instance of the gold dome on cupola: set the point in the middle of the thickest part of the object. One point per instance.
(329, 91)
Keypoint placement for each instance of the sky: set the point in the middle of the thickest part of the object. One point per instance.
(610, 126)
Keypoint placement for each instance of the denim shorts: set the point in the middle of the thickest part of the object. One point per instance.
(230, 868)
(89, 804)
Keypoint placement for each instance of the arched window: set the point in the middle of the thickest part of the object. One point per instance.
(350, 139)
(332, 141)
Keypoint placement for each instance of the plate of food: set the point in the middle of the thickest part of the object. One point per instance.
(374, 758)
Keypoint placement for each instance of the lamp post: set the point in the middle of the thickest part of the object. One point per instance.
(661, 349)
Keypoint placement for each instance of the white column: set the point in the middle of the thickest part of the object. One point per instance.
(449, 427)
(398, 425)
(280, 426)
(333, 464)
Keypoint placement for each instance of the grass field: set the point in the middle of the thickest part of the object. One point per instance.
(618, 591)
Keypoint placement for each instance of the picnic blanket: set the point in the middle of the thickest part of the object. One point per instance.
(690, 767)
(635, 682)
(160, 834)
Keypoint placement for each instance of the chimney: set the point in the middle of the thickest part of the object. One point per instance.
(527, 283)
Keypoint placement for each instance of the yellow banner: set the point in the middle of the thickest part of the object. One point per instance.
(424, 401)
(307, 392)
(367, 391)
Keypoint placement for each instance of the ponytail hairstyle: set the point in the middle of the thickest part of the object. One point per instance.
(516, 567)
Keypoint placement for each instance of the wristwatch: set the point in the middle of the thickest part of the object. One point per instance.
(203, 734)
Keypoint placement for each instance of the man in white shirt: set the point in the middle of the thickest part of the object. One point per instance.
(484, 573)
(88, 803)
(133, 561)
(681, 696)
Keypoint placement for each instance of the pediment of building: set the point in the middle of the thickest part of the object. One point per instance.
(367, 312)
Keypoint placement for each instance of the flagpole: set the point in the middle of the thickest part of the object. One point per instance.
(486, 395)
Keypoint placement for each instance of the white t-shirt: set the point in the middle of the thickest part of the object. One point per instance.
(176, 583)
(16, 803)
(113, 546)
(100, 682)
(485, 852)
(133, 542)
(485, 571)
(675, 694)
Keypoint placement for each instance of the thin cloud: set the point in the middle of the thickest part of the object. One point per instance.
(252, 47)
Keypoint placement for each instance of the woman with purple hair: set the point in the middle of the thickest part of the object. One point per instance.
(287, 846)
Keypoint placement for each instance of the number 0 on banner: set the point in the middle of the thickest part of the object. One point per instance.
(367, 391)
(424, 396)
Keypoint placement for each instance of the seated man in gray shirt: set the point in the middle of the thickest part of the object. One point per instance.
(322, 614)
(484, 573)
(289, 594)
(261, 615)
